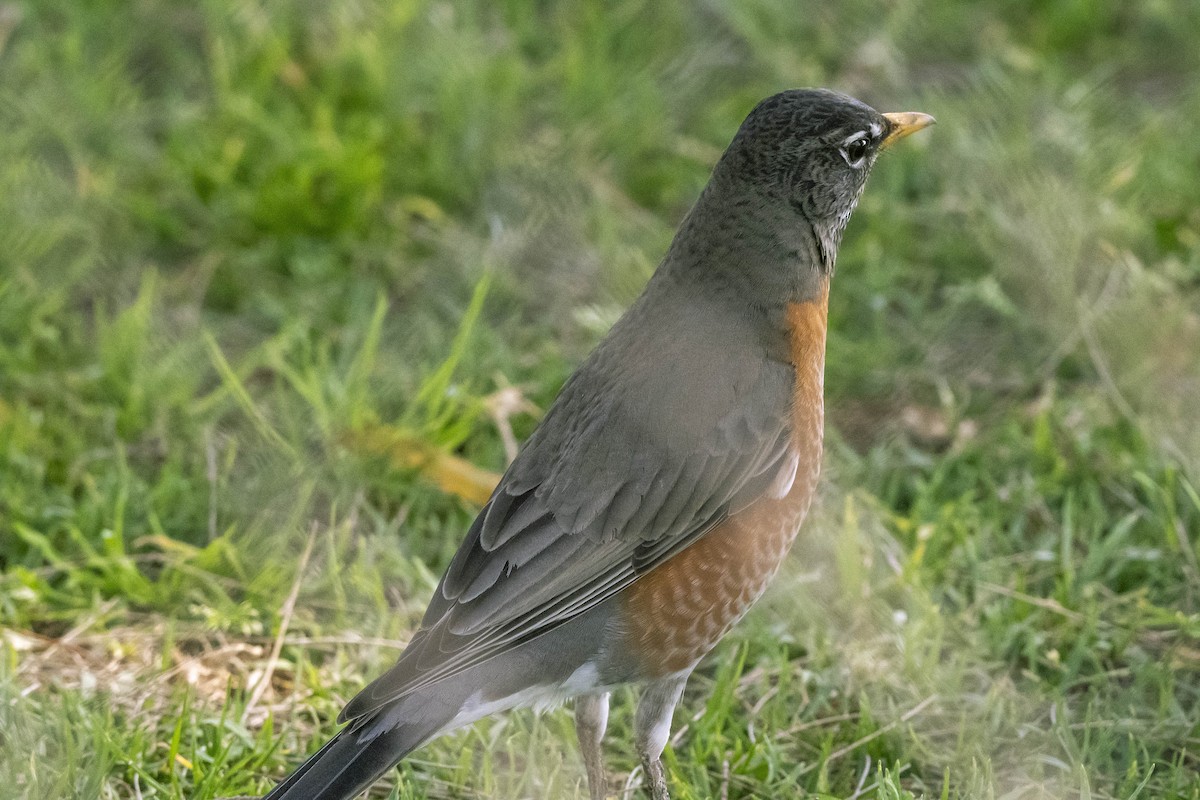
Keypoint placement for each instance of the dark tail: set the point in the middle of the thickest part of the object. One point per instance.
(365, 750)
(379, 735)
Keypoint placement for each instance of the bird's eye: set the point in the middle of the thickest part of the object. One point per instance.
(855, 152)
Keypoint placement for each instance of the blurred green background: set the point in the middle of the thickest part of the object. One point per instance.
(262, 264)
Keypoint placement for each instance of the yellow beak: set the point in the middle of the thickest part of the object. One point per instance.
(904, 123)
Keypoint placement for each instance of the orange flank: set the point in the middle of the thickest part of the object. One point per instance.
(679, 611)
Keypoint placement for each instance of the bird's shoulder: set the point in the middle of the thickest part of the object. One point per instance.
(679, 373)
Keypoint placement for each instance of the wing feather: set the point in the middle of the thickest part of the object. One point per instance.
(649, 445)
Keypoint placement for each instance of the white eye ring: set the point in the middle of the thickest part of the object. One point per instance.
(856, 149)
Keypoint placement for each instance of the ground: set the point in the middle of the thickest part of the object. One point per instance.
(283, 283)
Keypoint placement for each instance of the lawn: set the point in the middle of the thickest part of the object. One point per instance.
(284, 282)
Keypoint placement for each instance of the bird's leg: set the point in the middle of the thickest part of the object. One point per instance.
(591, 718)
(653, 727)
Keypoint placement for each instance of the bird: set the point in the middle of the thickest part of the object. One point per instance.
(665, 484)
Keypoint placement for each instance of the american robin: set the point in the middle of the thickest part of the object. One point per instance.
(664, 486)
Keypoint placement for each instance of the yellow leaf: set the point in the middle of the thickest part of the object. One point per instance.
(445, 470)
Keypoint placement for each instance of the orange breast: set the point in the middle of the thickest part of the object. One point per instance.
(678, 612)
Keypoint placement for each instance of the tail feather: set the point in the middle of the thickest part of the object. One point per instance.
(541, 671)
(338, 771)
(361, 753)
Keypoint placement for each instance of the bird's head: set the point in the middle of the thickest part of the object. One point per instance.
(808, 152)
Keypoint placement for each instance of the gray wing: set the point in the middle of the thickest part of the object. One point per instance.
(671, 424)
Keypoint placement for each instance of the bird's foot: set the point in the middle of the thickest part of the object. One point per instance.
(656, 776)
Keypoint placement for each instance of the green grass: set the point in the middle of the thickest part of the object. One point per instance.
(240, 239)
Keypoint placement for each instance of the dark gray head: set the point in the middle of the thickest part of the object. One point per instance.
(802, 158)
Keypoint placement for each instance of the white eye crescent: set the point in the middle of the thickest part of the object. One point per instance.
(856, 149)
